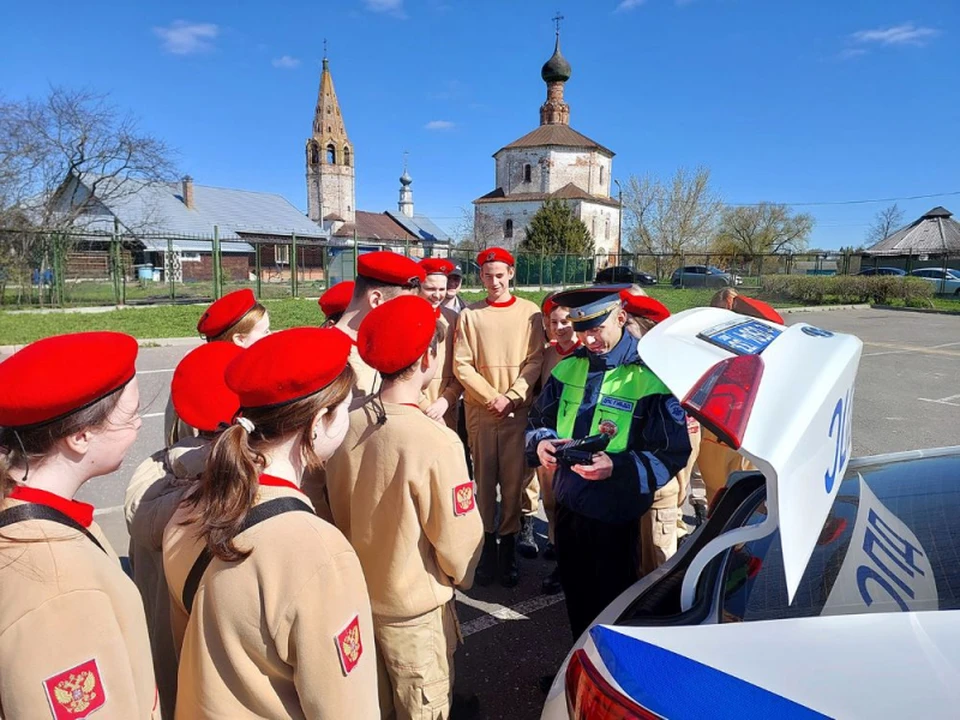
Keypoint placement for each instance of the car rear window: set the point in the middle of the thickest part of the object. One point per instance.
(905, 554)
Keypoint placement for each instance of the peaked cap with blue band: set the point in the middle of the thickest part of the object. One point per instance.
(590, 306)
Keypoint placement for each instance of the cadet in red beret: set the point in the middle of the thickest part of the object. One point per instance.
(305, 646)
(203, 400)
(441, 398)
(498, 356)
(72, 621)
(400, 492)
(335, 301)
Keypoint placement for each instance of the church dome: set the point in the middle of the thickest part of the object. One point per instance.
(556, 69)
(405, 179)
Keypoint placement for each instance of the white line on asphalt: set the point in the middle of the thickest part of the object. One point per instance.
(154, 372)
(152, 415)
(520, 611)
(943, 401)
(107, 510)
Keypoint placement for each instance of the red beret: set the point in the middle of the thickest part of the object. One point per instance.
(643, 306)
(397, 333)
(226, 312)
(495, 254)
(390, 268)
(336, 299)
(59, 375)
(756, 308)
(288, 365)
(437, 266)
(199, 391)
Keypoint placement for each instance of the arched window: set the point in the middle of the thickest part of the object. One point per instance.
(331, 155)
(346, 155)
(314, 154)
(527, 172)
(601, 174)
(508, 229)
(606, 232)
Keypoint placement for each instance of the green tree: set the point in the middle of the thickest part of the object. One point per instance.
(555, 230)
(753, 230)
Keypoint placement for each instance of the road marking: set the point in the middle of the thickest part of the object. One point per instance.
(935, 350)
(152, 415)
(502, 614)
(944, 401)
(155, 372)
(107, 510)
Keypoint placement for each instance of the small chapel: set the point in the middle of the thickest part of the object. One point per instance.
(552, 161)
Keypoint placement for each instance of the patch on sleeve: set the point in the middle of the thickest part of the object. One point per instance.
(464, 499)
(676, 412)
(349, 645)
(76, 693)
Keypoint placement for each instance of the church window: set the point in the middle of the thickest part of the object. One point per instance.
(601, 174)
(527, 172)
(314, 154)
(606, 230)
(508, 229)
(329, 130)
(346, 156)
(331, 155)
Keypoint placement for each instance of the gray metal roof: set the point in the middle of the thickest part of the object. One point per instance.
(152, 244)
(421, 226)
(158, 208)
(934, 233)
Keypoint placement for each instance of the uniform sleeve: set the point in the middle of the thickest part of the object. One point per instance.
(328, 640)
(660, 446)
(71, 651)
(465, 363)
(542, 421)
(522, 389)
(451, 391)
(151, 500)
(449, 517)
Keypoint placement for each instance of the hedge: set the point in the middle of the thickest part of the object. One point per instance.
(817, 290)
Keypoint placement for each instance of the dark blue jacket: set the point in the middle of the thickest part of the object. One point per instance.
(659, 444)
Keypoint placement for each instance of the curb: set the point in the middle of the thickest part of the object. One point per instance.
(823, 308)
(923, 311)
(145, 342)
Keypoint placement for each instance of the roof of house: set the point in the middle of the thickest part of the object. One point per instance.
(158, 208)
(375, 226)
(560, 135)
(935, 232)
(422, 227)
(570, 191)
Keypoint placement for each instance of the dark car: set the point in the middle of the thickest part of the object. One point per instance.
(883, 271)
(703, 276)
(622, 274)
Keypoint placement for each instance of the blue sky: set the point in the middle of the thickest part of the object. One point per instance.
(788, 100)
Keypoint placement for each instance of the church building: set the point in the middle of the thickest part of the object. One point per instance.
(553, 161)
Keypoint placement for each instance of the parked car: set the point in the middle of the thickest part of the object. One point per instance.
(703, 276)
(946, 281)
(882, 271)
(623, 274)
(801, 595)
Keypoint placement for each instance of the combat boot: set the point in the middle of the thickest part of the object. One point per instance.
(527, 543)
(509, 568)
(487, 567)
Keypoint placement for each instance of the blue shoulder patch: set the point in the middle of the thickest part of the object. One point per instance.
(676, 412)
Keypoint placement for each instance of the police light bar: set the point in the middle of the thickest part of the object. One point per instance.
(591, 697)
(723, 398)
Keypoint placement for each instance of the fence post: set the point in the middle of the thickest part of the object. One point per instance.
(294, 280)
(682, 265)
(217, 279)
(542, 256)
(258, 269)
(356, 252)
(563, 276)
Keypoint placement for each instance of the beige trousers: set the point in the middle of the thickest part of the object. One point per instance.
(415, 664)
(717, 461)
(545, 477)
(658, 528)
(530, 500)
(498, 461)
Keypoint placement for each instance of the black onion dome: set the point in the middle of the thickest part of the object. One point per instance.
(556, 69)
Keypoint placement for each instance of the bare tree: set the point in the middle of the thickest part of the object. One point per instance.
(676, 216)
(886, 222)
(767, 228)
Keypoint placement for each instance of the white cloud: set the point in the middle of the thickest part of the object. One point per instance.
(286, 62)
(389, 7)
(185, 38)
(626, 5)
(906, 34)
(439, 125)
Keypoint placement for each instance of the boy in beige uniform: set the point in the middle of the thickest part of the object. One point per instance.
(499, 352)
(441, 398)
(399, 491)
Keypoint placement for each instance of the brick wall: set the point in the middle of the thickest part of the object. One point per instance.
(236, 267)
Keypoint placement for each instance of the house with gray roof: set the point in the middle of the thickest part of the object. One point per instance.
(934, 234)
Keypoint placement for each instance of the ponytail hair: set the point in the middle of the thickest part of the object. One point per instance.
(230, 483)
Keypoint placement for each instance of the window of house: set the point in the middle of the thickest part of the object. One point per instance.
(281, 254)
(331, 155)
(189, 257)
(508, 229)
(346, 156)
(527, 172)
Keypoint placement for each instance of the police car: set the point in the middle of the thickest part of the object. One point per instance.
(819, 586)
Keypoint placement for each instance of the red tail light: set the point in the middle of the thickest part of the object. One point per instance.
(591, 697)
(723, 398)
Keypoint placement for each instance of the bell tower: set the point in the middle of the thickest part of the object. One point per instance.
(331, 178)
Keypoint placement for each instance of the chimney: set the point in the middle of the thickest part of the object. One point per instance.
(187, 191)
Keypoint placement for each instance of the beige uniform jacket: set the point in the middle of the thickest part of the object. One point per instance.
(445, 383)
(152, 497)
(499, 350)
(401, 494)
(284, 633)
(73, 639)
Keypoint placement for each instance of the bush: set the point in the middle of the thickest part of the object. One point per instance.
(841, 289)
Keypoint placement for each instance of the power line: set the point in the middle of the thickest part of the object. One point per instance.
(851, 202)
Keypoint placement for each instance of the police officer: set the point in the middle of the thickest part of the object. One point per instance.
(603, 388)
(73, 639)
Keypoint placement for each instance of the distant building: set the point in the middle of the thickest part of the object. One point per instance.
(553, 161)
(934, 234)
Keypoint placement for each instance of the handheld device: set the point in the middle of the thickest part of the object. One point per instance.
(581, 452)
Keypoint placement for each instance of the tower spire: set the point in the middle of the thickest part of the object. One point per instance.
(555, 72)
(405, 206)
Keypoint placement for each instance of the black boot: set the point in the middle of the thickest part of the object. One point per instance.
(487, 567)
(464, 707)
(551, 583)
(527, 543)
(509, 568)
(550, 552)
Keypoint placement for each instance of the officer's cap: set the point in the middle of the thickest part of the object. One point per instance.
(590, 306)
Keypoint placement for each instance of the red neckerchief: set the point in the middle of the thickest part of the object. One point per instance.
(74, 509)
(564, 353)
(506, 303)
(273, 481)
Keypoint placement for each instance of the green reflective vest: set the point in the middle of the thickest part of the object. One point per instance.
(621, 389)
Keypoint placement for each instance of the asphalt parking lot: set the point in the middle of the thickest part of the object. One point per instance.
(907, 397)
